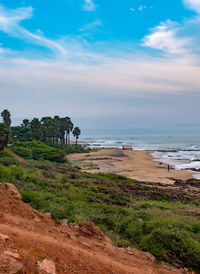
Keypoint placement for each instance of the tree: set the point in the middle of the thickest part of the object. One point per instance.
(69, 128)
(4, 136)
(76, 132)
(21, 133)
(6, 117)
(26, 123)
(36, 129)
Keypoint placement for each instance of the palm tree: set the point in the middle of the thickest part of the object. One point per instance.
(25, 123)
(70, 127)
(36, 129)
(47, 129)
(76, 132)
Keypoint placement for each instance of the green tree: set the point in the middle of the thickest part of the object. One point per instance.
(56, 123)
(4, 136)
(62, 128)
(21, 133)
(36, 129)
(69, 128)
(6, 117)
(26, 123)
(76, 132)
(48, 129)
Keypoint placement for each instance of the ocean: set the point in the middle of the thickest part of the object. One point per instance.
(182, 151)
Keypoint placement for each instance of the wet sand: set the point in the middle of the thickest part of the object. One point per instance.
(138, 165)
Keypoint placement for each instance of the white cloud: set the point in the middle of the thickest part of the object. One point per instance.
(10, 24)
(132, 9)
(89, 5)
(165, 37)
(193, 4)
(91, 26)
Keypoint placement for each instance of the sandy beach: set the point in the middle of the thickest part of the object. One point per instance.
(138, 165)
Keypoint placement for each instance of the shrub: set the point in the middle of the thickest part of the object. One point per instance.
(58, 212)
(8, 159)
(34, 198)
(5, 175)
(180, 244)
(38, 151)
(17, 172)
(76, 149)
(23, 152)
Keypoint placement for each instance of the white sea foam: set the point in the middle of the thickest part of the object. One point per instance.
(182, 152)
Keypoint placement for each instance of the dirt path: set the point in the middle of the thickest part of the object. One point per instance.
(133, 164)
(33, 236)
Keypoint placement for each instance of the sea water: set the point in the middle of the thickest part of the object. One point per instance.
(179, 150)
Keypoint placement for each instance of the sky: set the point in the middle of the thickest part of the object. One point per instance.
(109, 65)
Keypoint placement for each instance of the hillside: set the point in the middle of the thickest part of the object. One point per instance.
(31, 242)
(162, 219)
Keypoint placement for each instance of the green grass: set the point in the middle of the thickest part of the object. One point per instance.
(111, 177)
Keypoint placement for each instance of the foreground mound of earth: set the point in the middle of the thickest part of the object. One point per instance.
(31, 242)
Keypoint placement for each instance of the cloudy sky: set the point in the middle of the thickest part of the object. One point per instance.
(107, 64)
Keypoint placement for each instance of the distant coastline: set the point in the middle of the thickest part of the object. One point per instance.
(179, 152)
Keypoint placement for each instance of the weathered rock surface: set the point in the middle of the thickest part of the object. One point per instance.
(12, 190)
(9, 265)
(3, 237)
(47, 267)
(89, 229)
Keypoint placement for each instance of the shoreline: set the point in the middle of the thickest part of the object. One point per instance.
(135, 164)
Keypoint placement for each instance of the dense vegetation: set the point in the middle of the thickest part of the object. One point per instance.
(52, 131)
(38, 151)
(152, 225)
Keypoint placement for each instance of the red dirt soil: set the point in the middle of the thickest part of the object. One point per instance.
(33, 236)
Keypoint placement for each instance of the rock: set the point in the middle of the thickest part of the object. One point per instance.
(4, 237)
(85, 244)
(89, 229)
(47, 267)
(11, 254)
(12, 190)
(48, 214)
(178, 264)
(10, 265)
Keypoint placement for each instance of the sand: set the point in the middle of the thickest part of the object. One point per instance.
(138, 165)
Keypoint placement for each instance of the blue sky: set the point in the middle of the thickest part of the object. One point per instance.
(102, 62)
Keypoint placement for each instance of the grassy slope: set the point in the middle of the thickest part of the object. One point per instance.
(128, 219)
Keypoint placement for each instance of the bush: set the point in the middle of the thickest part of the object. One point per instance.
(180, 244)
(34, 198)
(76, 149)
(58, 212)
(9, 174)
(5, 175)
(22, 151)
(8, 159)
(17, 172)
(38, 151)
